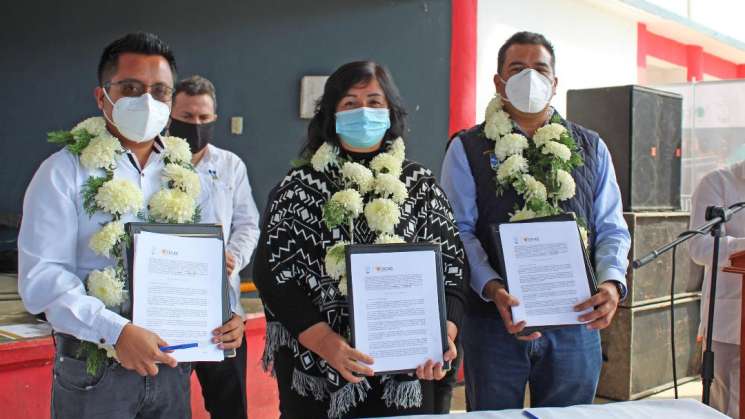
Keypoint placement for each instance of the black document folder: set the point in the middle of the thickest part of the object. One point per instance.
(398, 248)
(498, 259)
(183, 230)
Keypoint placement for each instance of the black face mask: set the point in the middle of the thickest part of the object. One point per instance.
(197, 135)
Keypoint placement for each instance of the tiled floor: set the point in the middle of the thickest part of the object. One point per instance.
(690, 390)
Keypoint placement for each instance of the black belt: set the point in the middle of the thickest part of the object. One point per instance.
(68, 346)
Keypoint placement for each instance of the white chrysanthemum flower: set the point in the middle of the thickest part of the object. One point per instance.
(325, 156)
(523, 214)
(335, 260)
(510, 144)
(110, 351)
(350, 199)
(557, 149)
(106, 286)
(495, 105)
(386, 163)
(500, 124)
(176, 150)
(583, 236)
(534, 188)
(387, 238)
(179, 177)
(548, 133)
(171, 206)
(103, 241)
(514, 165)
(95, 126)
(389, 186)
(100, 153)
(398, 149)
(566, 183)
(119, 196)
(359, 175)
(382, 215)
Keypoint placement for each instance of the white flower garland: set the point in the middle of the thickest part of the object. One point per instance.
(538, 170)
(176, 203)
(375, 191)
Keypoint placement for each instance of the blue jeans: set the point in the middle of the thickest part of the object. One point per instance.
(118, 393)
(562, 367)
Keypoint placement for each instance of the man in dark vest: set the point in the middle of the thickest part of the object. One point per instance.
(561, 365)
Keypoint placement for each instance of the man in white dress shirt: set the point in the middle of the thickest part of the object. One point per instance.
(722, 187)
(226, 200)
(136, 74)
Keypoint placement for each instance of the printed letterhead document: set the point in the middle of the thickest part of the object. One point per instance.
(397, 304)
(177, 291)
(545, 269)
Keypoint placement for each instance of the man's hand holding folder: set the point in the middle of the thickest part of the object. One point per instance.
(138, 349)
(605, 303)
(497, 293)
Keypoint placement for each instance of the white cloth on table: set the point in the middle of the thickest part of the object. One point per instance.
(644, 409)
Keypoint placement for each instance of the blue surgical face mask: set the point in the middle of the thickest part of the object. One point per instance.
(362, 127)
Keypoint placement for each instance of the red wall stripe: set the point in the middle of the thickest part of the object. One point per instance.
(641, 45)
(463, 64)
(691, 57)
(719, 67)
(695, 63)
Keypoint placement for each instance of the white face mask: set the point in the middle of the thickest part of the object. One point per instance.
(139, 119)
(529, 91)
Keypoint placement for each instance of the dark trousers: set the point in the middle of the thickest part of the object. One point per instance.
(115, 392)
(293, 405)
(562, 367)
(224, 385)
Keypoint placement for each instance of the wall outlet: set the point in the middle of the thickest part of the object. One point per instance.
(236, 125)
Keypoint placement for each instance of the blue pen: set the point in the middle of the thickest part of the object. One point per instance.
(182, 346)
(529, 415)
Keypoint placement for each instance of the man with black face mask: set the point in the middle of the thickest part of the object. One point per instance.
(226, 200)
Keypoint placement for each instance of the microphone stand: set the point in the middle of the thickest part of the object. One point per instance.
(716, 217)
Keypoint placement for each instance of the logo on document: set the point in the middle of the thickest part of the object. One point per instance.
(378, 269)
(168, 252)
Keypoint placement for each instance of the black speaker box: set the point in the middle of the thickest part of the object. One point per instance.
(642, 128)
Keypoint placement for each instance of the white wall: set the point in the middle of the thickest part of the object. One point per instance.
(593, 47)
(723, 16)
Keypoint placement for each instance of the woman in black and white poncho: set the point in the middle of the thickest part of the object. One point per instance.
(354, 157)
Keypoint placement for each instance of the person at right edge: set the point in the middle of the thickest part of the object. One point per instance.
(562, 365)
(722, 187)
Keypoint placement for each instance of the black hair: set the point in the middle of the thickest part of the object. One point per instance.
(525, 38)
(196, 86)
(322, 127)
(139, 43)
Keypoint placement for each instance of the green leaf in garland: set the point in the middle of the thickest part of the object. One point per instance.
(75, 141)
(90, 189)
(334, 214)
(60, 137)
(95, 357)
(299, 162)
(197, 217)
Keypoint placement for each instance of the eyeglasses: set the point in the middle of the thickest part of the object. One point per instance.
(134, 88)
